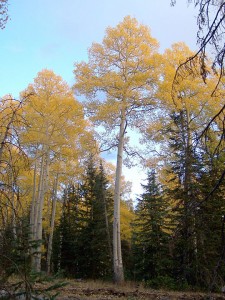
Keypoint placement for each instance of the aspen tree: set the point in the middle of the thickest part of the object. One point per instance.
(56, 127)
(119, 81)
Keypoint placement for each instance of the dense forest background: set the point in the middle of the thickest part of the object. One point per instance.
(58, 195)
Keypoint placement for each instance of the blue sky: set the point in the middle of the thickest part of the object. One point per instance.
(54, 34)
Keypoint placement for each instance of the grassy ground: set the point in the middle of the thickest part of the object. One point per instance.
(98, 290)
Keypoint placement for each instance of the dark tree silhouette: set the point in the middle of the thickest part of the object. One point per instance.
(3, 13)
(210, 38)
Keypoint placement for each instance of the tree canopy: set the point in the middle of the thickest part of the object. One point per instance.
(65, 210)
(3, 13)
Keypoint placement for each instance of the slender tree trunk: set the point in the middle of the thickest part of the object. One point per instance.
(49, 254)
(107, 223)
(12, 200)
(35, 207)
(32, 209)
(38, 197)
(43, 186)
(117, 253)
(38, 220)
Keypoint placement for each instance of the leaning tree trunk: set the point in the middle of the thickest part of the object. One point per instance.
(117, 253)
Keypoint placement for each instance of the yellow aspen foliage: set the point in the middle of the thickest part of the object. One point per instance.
(191, 92)
(55, 142)
(127, 217)
(122, 71)
(52, 110)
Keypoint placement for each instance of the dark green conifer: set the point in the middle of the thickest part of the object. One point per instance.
(151, 254)
(84, 233)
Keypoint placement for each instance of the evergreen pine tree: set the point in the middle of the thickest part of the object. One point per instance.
(210, 219)
(97, 232)
(196, 239)
(67, 237)
(83, 238)
(151, 255)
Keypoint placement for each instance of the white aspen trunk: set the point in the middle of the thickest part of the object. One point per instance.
(107, 223)
(37, 201)
(52, 225)
(32, 209)
(117, 253)
(42, 191)
(37, 215)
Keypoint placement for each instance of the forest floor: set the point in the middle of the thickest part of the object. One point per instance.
(97, 290)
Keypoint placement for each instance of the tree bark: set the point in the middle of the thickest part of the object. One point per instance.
(117, 253)
(107, 223)
(49, 253)
(32, 209)
(38, 219)
(42, 188)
